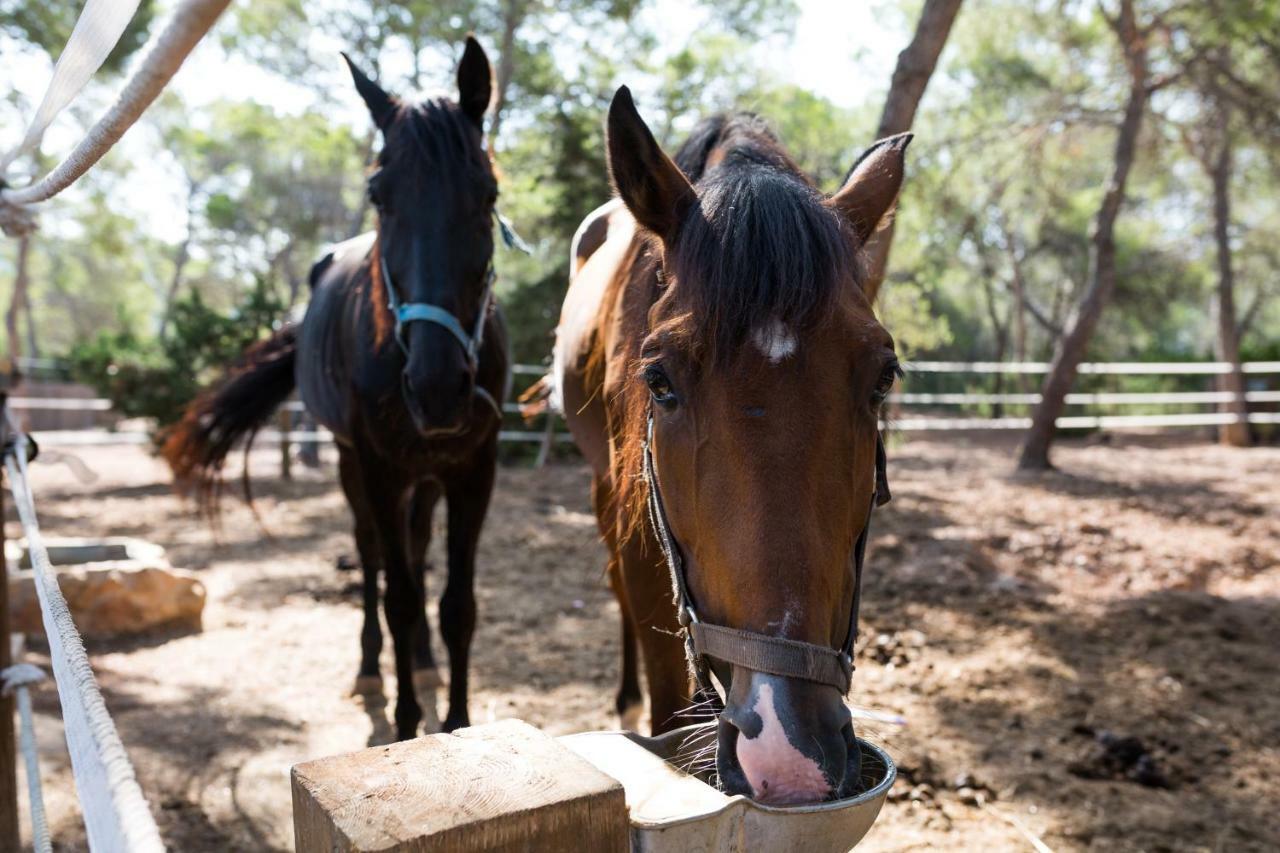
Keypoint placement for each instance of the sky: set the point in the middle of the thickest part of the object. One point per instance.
(840, 49)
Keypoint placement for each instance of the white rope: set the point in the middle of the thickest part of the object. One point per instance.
(97, 30)
(189, 24)
(17, 680)
(116, 815)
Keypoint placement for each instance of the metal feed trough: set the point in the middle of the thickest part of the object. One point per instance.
(508, 786)
(672, 810)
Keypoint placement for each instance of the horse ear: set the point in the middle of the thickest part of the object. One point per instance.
(651, 186)
(475, 82)
(381, 105)
(871, 190)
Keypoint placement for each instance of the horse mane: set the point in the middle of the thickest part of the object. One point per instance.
(759, 247)
(434, 135)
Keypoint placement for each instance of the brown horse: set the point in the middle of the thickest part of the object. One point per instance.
(716, 340)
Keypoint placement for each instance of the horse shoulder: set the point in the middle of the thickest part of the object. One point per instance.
(594, 231)
(581, 336)
(327, 333)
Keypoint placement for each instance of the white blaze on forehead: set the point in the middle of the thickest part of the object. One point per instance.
(775, 341)
(779, 773)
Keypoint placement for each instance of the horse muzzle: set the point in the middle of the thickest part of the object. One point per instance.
(786, 741)
(473, 408)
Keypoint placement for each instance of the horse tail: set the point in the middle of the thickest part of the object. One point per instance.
(237, 406)
(537, 399)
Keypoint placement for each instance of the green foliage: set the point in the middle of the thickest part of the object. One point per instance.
(1013, 149)
(157, 379)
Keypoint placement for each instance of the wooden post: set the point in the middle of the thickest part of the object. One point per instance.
(500, 787)
(9, 839)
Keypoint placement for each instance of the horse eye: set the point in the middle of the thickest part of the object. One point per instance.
(660, 386)
(374, 189)
(884, 385)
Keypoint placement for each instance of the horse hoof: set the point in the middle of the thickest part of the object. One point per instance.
(427, 679)
(630, 718)
(367, 685)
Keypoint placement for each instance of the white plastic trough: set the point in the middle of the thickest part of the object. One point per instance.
(673, 811)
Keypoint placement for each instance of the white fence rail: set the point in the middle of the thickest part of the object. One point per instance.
(903, 421)
(1131, 368)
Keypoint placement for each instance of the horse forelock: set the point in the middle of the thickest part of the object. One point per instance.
(436, 137)
(760, 248)
(759, 251)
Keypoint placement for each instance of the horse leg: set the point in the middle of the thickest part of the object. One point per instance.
(628, 703)
(468, 498)
(369, 678)
(403, 600)
(644, 577)
(421, 510)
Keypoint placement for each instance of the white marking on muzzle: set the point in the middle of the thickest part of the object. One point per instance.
(779, 773)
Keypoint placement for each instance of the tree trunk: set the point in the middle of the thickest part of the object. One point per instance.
(512, 16)
(180, 259)
(1019, 288)
(20, 282)
(1227, 343)
(1071, 347)
(910, 77)
(33, 347)
(999, 329)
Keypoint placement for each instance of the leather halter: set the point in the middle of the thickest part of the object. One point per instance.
(705, 642)
(409, 312)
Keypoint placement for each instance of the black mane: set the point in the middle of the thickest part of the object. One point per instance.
(760, 245)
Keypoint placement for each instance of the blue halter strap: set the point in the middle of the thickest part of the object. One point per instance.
(409, 312)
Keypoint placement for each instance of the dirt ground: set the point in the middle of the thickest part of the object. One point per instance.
(1087, 658)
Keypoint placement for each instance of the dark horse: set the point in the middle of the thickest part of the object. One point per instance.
(403, 356)
(716, 340)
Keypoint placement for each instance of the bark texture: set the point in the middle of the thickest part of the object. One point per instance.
(512, 17)
(910, 77)
(21, 282)
(1227, 342)
(1071, 347)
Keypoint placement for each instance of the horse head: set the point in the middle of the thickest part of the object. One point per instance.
(434, 190)
(752, 400)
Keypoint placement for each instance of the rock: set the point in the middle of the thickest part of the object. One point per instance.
(114, 598)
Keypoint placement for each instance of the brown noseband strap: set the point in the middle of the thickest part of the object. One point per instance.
(705, 642)
(774, 655)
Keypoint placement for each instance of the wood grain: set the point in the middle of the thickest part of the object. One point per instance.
(503, 787)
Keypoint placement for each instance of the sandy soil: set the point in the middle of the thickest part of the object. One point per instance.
(1089, 657)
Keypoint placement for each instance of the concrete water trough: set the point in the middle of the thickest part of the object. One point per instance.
(114, 587)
